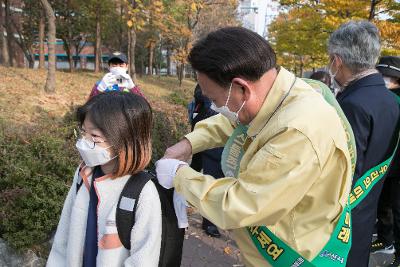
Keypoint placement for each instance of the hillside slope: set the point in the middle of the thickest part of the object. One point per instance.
(22, 98)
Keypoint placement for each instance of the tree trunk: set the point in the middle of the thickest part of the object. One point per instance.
(142, 67)
(121, 29)
(71, 62)
(31, 58)
(301, 66)
(3, 40)
(97, 51)
(50, 86)
(42, 27)
(9, 33)
(168, 61)
(180, 72)
(160, 60)
(67, 48)
(151, 56)
(131, 53)
(372, 9)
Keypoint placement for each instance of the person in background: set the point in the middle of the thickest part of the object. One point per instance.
(209, 160)
(371, 109)
(117, 79)
(388, 225)
(321, 76)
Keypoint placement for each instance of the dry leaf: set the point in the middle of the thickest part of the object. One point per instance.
(228, 250)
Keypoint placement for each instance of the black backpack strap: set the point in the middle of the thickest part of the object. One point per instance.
(127, 203)
(78, 185)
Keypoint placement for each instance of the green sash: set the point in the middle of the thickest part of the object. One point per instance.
(365, 183)
(274, 250)
(335, 252)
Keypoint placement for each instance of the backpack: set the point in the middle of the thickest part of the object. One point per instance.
(172, 236)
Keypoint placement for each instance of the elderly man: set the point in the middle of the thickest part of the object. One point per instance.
(388, 224)
(371, 109)
(286, 160)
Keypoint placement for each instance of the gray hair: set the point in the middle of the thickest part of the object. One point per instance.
(357, 43)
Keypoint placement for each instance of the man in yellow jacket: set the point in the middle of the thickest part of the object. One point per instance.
(286, 158)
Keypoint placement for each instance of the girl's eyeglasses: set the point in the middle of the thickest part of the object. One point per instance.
(79, 133)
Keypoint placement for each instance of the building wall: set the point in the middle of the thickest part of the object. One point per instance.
(256, 15)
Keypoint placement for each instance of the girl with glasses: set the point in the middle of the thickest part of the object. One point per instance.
(114, 143)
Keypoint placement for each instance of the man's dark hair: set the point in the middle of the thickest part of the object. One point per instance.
(232, 52)
(125, 119)
(115, 61)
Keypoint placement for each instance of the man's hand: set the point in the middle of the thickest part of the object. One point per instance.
(107, 82)
(166, 171)
(181, 151)
(128, 81)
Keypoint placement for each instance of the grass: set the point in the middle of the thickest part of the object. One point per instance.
(23, 100)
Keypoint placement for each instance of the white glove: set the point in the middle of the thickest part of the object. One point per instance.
(180, 210)
(107, 82)
(127, 83)
(166, 171)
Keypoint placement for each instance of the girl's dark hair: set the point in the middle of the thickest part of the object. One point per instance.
(232, 52)
(125, 119)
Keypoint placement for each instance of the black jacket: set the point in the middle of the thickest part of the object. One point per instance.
(373, 113)
(208, 160)
(394, 171)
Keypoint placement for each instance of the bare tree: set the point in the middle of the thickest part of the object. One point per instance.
(97, 51)
(372, 10)
(10, 34)
(131, 46)
(51, 43)
(42, 26)
(5, 58)
(131, 52)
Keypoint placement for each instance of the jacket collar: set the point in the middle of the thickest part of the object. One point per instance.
(86, 173)
(280, 88)
(370, 80)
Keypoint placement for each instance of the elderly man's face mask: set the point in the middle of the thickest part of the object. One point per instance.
(335, 85)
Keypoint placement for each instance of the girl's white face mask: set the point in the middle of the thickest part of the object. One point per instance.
(93, 156)
(233, 117)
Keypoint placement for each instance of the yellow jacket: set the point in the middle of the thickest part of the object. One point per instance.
(294, 177)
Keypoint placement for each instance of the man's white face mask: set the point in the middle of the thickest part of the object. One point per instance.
(233, 117)
(334, 84)
(118, 71)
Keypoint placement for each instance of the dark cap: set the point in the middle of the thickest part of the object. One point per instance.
(389, 66)
(118, 55)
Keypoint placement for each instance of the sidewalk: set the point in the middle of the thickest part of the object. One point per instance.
(200, 250)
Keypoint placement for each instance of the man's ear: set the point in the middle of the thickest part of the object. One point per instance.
(244, 85)
(338, 61)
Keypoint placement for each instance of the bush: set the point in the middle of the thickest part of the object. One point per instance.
(177, 99)
(167, 131)
(36, 166)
